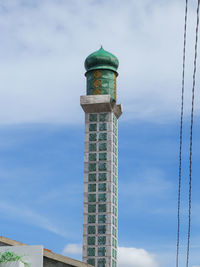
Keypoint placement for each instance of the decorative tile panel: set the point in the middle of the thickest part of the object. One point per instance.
(101, 263)
(102, 146)
(91, 187)
(92, 117)
(101, 240)
(102, 176)
(103, 116)
(91, 251)
(102, 136)
(102, 208)
(92, 147)
(102, 197)
(103, 127)
(91, 197)
(91, 208)
(92, 177)
(92, 157)
(92, 167)
(91, 218)
(101, 229)
(102, 187)
(102, 218)
(91, 231)
(102, 156)
(91, 240)
(101, 251)
(93, 137)
(91, 262)
(102, 166)
(93, 127)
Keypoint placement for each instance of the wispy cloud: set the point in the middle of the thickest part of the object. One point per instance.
(150, 182)
(62, 194)
(44, 44)
(26, 215)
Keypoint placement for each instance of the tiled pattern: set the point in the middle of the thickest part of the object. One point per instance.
(100, 190)
(101, 82)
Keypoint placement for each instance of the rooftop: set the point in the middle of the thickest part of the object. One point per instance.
(49, 256)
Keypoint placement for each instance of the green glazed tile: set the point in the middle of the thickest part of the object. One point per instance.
(102, 208)
(91, 252)
(91, 198)
(92, 177)
(92, 167)
(91, 230)
(101, 229)
(102, 156)
(91, 187)
(102, 136)
(93, 137)
(92, 147)
(102, 166)
(91, 240)
(103, 117)
(102, 197)
(102, 146)
(102, 218)
(92, 157)
(101, 251)
(93, 117)
(92, 262)
(102, 176)
(93, 127)
(91, 218)
(91, 208)
(101, 240)
(103, 127)
(102, 187)
(102, 262)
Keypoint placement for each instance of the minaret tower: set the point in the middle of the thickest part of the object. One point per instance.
(100, 220)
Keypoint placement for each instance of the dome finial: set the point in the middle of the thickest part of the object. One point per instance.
(101, 59)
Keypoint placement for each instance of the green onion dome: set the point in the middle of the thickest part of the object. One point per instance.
(101, 59)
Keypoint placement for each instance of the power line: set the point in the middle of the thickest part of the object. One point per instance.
(181, 136)
(191, 137)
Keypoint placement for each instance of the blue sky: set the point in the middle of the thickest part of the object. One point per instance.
(43, 47)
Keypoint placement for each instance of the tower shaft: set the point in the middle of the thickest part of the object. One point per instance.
(100, 220)
(100, 216)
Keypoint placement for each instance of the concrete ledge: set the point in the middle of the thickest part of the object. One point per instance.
(95, 99)
(100, 103)
(117, 109)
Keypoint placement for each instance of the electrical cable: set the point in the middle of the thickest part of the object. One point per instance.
(191, 137)
(181, 136)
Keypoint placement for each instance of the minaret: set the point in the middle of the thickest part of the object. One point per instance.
(100, 219)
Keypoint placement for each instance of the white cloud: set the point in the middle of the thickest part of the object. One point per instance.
(72, 249)
(44, 44)
(133, 257)
(127, 256)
